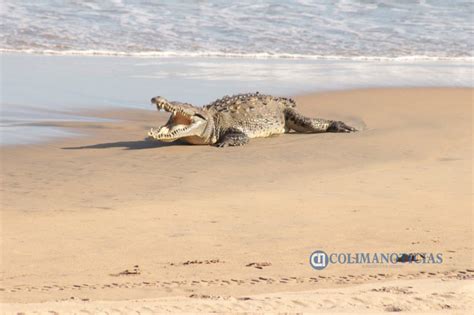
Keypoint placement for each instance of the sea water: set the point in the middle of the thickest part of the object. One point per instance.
(281, 28)
(59, 57)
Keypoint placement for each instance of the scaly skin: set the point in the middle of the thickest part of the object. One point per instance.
(233, 120)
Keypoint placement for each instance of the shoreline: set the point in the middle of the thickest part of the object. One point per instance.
(197, 220)
(115, 115)
(59, 85)
(223, 55)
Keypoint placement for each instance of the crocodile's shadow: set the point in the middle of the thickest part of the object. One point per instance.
(128, 145)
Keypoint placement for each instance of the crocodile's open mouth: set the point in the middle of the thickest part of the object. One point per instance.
(183, 122)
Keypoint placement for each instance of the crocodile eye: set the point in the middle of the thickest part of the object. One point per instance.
(200, 116)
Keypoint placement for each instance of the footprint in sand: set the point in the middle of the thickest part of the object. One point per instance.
(393, 308)
(128, 272)
(258, 265)
(198, 262)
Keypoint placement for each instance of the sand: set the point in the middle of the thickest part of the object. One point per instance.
(107, 220)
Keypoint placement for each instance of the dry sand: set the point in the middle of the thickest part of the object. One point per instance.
(205, 229)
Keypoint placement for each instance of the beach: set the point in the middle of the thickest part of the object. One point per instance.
(106, 220)
(96, 218)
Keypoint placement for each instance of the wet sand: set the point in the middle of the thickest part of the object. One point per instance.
(110, 217)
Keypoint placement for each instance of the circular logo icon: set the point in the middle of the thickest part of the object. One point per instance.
(319, 260)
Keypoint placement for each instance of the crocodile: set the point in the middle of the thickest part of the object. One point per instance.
(233, 120)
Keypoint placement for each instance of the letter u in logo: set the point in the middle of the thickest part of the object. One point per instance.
(319, 260)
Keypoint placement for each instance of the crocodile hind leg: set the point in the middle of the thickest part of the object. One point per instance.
(303, 124)
(232, 137)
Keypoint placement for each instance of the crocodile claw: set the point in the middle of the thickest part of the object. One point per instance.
(339, 126)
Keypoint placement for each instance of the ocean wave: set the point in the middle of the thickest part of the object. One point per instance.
(218, 54)
(291, 29)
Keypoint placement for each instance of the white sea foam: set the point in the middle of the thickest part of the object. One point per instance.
(218, 54)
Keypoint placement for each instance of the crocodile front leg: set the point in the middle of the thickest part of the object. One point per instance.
(232, 137)
(303, 124)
